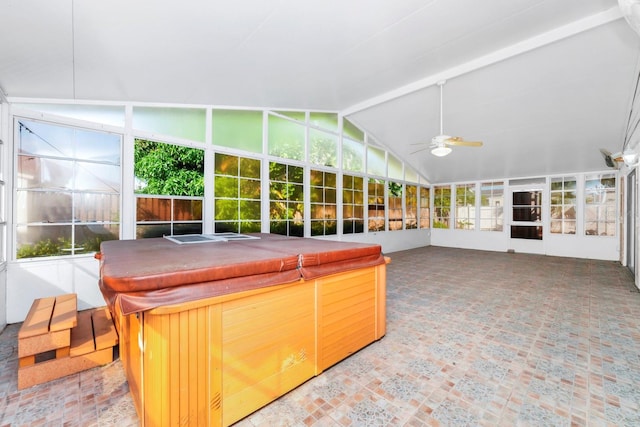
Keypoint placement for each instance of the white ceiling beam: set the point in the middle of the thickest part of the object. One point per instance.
(519, 48)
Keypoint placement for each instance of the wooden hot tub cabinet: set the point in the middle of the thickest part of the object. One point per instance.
(231, 346)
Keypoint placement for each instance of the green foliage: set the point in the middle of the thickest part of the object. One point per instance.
(42, 248)
(169, 169)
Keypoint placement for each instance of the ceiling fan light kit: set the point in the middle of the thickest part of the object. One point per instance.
(441, 151)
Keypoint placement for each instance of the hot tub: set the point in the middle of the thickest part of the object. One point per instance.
(210, 332)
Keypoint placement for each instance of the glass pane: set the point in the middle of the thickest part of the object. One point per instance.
(295, 174)
(325, 120)
(187, 123)
(286, 138)
(105, 114)
(352, 155)
(153, 209)
(43, 240)
(527, 214)
(277, 171)
(250, 168)
(92, 207)
(187, 210)
(226, 209)
(152, 230)
(226, 186)
(316, 194)
(410, 174)
(250, 210)
(45, 140)
(168, 169)
(250, 188)
(316, 177)
(37, 172)
(187, 228)
(97, 177)
(526, 232)
(376, 161)
(43, 206)
(238, 129)
(226, 164)
(323, 148)
(97, 146)
(226, 227)
(89, 236)
(352, 131)
(395, 167)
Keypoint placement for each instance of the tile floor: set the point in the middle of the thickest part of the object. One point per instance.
(473, 339)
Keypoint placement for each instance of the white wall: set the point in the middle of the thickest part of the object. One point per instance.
(28, 280)
(391, 241)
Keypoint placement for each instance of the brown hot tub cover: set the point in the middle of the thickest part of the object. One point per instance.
(142, 274)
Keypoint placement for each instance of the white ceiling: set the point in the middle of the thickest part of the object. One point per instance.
(544, 83)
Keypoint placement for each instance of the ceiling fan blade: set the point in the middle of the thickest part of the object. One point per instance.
(459, 142)
(417, 151)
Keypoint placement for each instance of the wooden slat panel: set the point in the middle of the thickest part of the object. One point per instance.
(57, 368)
(64, 313)
(82, 335)
(38, 318)
(104, 331)
(42, 343)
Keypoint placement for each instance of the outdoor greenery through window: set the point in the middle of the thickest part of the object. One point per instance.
(376, 204)
(176, 173)
(441, 206)
(492, 206)
(425, 207)
(237, 194)
(411, 207)
(322, 189)
(352, 204)
(67, 189)
(563, 205)
(466, 206)
(600, 205)
(394, 204)
(286, 199)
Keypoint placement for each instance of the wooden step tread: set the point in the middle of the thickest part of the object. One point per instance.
(94, 331)
(50, 314)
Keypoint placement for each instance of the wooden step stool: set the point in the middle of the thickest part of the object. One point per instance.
(56, 340)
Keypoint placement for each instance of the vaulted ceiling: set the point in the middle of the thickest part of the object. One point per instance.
(543, 83)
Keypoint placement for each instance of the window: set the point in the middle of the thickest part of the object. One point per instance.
(441, 206)
(323, 203)
(411, 207)
(492, 206)
(425, 207)
(286, 199)
(375, 199)
(352, 204)
(286, 138)
(352, 155)
(323, 148)
(600, 205)
(67, 189)
(168, 170)
(237, 194)
(466, 206)
(376, 161)
(395, 206)
(241, 130)
(187, 123)
(563, 205)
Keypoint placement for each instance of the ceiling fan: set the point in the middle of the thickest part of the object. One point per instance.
(440, 145)
(612, 160)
